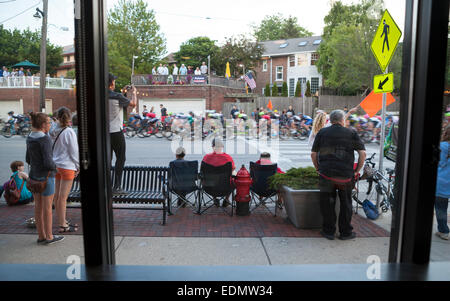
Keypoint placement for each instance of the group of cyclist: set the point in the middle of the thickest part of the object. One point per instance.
(16, 125)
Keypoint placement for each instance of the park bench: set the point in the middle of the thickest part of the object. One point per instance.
(144, 185)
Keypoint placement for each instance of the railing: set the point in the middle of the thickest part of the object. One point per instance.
(189, 79)
(34, 82)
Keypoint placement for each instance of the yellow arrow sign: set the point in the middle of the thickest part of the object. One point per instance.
(386, 40)
(383, 83)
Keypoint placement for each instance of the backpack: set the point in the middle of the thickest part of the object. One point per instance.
(12, 194)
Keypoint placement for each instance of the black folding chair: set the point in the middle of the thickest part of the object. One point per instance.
(261, 194)
(182, 184)
(216, 185)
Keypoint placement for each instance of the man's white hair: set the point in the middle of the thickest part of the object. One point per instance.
(337, 116)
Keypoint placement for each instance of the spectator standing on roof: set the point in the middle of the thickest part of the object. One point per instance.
(175, 69)
(183, 70)
(204, 69)
(197, 71)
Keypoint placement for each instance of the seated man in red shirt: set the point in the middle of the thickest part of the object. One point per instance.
(264, 159)
(219, 158)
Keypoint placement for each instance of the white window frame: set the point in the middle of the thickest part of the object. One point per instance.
(292, 60)
(316, 54)
(277, 72)
(264, 66)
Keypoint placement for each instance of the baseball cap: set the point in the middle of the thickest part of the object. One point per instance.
(217, 142)
(180, 150)
(111, 78)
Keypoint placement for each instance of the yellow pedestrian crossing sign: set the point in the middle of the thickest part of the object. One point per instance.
(383, 83)
(386, 40)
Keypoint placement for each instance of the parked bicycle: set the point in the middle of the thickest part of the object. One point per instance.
(383, 185)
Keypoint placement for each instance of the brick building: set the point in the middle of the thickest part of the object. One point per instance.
(289, 61)
(22, 100)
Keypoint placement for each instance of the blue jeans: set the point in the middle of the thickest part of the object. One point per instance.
(441, 206)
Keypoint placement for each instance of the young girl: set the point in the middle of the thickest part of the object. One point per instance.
(19, 175)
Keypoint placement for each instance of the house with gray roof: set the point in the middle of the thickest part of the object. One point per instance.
(291, 61)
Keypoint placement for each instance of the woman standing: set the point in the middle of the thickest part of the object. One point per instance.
(42, 168)
(443, 186)
(65, 156)
(318, 123)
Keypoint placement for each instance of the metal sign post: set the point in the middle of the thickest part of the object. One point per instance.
(382, 134)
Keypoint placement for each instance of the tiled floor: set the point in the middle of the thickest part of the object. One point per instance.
(184, 223)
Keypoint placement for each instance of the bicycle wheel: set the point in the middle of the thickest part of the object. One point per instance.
(6, 132)
(158, 133)
(25, 132)
(130, 132)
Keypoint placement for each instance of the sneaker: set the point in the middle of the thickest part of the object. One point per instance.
(347, 237)
(442, 235)
(327, 236)
(119, 191)
(55, 239)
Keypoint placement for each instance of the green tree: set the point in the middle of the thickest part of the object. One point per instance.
(133, 30)
(284, 90)
(70, 74)
(298, 89)
(17, 46)
(276, 27)
(267, 90)
(238, 50)
(351, 69)
(196, 50)
(308, 89)
(274, 90)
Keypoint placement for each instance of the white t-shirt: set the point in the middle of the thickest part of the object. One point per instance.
(204, 69)
(175, 71)
(197, 72)
(65, 151)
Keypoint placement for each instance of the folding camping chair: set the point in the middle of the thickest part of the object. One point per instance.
(216, 185)
(182, 184)
(260, 191)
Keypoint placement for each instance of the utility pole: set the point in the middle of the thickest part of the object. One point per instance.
(43, 59)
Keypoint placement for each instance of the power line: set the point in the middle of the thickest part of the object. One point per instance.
(20, 12)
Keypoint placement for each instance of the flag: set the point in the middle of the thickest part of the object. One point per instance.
(269, 105)
(250, 80)
(374, 102)
(227, 72)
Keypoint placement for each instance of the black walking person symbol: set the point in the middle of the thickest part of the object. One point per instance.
(385, 33)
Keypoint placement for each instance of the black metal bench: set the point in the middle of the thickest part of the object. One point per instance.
(144, 185)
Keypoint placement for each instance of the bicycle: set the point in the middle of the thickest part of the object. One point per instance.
(383, 185)
(8, 129)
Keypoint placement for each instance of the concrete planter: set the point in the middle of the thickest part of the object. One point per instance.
(303, 207)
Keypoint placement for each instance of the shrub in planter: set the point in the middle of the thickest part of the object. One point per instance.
(296, 178)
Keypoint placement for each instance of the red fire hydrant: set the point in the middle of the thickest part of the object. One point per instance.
(243, 181)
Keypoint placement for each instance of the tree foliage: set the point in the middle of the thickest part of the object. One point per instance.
(345, 58)
(274, 90)
(276, 27)
(267, 90)
(308, 89)
(238, 50)
(17, 46)
(133, 30)
(298, 89)
(284, 90)
(196, 50)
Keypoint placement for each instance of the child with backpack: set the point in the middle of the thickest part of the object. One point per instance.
(16, 186)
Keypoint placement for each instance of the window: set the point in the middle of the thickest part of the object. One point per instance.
(279, 73)
(314, 58)
(314, 84)
(317, 42)
(302, 44)
(263, 91)
(292, 60)
(291, 87)
(284, 45)
(302, 59)
(264, 66)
